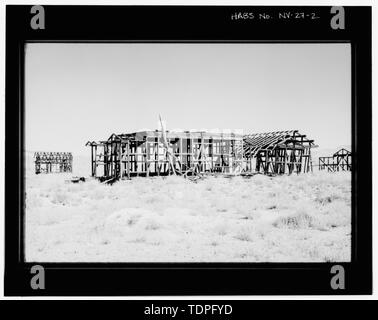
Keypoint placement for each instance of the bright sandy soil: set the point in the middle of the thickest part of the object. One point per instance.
(298, 218)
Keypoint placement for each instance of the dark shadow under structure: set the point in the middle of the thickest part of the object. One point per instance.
(53, 162)
(340, 161)
(188, 153)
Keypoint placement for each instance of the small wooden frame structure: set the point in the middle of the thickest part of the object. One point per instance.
(340, 161)
(278, 152)
(53, 162)
(156, 153)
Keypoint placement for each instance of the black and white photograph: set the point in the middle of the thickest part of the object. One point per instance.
(188, 152)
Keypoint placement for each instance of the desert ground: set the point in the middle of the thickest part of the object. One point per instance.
(297, 218)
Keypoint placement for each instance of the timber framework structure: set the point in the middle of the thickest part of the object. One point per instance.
(159, 153)
(339, 161)
(278, 152)
(193, 153)
(53, 162)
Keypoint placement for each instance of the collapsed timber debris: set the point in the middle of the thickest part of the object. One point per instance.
(53, 162)
(339, 161)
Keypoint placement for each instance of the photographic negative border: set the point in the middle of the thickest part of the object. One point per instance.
(187, 24)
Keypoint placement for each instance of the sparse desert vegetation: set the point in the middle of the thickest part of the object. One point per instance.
(297, 218)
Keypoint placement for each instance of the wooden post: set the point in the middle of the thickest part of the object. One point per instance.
(266, 161)
(128, 159)
(211, 154)
(106, 169)
(181, 156)
(158, 156)
(95, 161)
(191, 151)
(309, 158)
(120, 160)
(92, 161)
(147, 157)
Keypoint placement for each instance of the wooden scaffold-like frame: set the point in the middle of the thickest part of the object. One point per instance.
(53, 162)
(162, 152)
(340, 161)
(278, 152)
(159, 153)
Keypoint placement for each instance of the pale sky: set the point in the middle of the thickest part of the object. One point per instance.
(80, 92)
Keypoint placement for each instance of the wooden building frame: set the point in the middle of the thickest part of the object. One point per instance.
(159, 153)
(278, 152)
(53, 162)
(339, 161)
